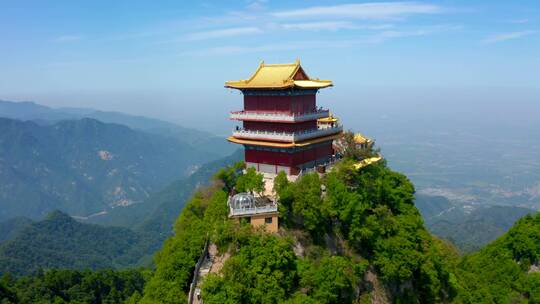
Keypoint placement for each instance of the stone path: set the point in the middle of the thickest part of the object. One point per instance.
(211, 264)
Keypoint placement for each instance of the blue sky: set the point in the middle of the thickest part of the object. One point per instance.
(159, 58)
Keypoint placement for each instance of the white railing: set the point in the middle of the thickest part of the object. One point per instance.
(253, 210)
(328, 164)
(279, 116)
(286, 136)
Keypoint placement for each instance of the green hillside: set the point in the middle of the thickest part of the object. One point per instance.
(61, 242)
(73, 286)
(468, 230)
(361, 241)
(358, 239)
(507, 270)
(10, 228)
(472, 231)
(365, 229)
(84, 167)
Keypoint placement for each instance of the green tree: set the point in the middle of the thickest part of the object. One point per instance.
(532, 287)
(229, 174)
(329, 280)
(262, 271)
(251, 181)
(72, 286)
(284, 191)
(308, 206)
(350, 149)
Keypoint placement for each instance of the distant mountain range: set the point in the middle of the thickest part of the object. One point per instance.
(134, 174)
(469, 230)
(59, 241)
(46, 115)
(86, 162)
(85, 166)
(129, 174)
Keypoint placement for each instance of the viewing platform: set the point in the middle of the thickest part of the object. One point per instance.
(259, 211)
(245, 204)
(283, 117)
(286, 136)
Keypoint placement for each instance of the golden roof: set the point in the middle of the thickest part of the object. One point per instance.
(361, 139)
(366, 162)
(328, 119)
(279, 76)
(282, 145)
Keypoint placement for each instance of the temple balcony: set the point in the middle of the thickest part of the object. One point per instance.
(245, 204)
(279, 116)
(287, 136)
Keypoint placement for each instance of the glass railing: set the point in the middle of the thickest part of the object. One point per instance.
(271, 206)
(286, 136)
(279, 116)
(254, 210)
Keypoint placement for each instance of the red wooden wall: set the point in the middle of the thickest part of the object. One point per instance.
(280, 127)
(286, 104)
(288, 159)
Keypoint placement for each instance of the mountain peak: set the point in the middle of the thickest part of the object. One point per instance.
(57, 215)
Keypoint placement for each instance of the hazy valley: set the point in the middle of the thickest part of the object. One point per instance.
(113, 175)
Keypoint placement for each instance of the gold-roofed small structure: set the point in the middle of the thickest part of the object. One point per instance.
(327, 120)
(279, 76)
(361, 139)
(366, 162)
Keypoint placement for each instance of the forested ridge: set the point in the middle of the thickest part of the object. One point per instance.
(85, 167)
(59, 241)
(352, 236)
(362, 239)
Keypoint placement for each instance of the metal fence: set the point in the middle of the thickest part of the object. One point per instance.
(193, 284)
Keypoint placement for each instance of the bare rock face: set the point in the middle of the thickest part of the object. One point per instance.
(217, 259)
(535, 268)
(378, 294)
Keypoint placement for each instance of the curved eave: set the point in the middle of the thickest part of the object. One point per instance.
(283, 145)
(241, 85)
(313, 84)
(302, 84)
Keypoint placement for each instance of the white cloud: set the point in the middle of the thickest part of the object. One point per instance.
(373, 10)
(519, 21)
(292, 46)
(317, 26)
(392, 34)
(331, 26)
(67, 38)
(372, 38)
(220, 33)
(257, 5)
(506, 36)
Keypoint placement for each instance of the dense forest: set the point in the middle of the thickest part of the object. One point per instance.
(72, 286)
(128, 237)
(351, 236)
(61, 242)
(362, 240)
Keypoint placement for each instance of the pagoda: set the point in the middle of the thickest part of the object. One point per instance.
(283, 129)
